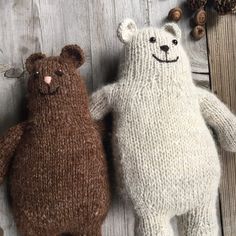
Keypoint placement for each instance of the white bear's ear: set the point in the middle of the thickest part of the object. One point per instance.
(173, 29)
(126, 30)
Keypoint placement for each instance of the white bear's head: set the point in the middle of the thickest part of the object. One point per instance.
(152, 52)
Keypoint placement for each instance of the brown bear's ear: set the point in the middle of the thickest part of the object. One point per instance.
(30, 61)
(74, 54)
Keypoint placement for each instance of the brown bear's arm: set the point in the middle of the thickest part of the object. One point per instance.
(100, 124)
(8, 145)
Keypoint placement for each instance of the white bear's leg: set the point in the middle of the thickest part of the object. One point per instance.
(201, 221)
(153, 225)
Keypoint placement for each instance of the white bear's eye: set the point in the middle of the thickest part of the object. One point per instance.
(175, 42)
(152, 40)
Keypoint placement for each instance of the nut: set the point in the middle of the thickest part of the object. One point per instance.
(200, 17)
(175, 14)
(198, 32)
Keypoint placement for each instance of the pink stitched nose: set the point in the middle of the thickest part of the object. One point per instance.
(47, 79)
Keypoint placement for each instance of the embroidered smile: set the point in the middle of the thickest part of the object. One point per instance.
(165, 61)
(49, 92)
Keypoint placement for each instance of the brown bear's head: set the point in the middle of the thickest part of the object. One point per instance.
(54, 79)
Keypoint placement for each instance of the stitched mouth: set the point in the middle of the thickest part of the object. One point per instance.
(49, 92)
(165, 61)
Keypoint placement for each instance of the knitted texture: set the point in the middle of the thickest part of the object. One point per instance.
(58, 180)
(8, 144)
(165, 157)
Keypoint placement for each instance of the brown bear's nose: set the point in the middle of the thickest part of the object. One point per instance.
(164, 48)
(47, 79)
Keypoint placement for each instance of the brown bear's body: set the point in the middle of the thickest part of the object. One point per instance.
(58, 179)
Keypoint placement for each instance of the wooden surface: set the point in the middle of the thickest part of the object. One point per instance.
(47, 25)
(222, 59)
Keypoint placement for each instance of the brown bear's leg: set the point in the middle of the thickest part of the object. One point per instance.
(30, 230)
(90, 232)
(28, 224)
(96, 231)
(78, 234)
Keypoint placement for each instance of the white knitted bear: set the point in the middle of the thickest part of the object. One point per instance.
(167, 159)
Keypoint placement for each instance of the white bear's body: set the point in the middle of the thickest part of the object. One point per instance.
(160, 132)
(165, 156)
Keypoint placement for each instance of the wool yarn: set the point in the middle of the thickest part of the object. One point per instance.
(165, 156)
(57, 180)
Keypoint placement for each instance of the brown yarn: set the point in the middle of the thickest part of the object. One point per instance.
(8, 144)
(58, 179)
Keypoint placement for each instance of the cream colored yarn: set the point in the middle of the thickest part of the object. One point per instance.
(166, 158)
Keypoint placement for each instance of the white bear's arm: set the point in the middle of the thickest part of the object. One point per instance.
(100, 102)
(219, 118)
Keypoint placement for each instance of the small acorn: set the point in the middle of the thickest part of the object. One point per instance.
(175, 14)
(200, 17)
(196, 4)
(198, 32)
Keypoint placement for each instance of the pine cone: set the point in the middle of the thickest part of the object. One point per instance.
(196, 4)
(225, 6)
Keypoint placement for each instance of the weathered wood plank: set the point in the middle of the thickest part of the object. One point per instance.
(104, 18)
(33, 26)
(221, 35)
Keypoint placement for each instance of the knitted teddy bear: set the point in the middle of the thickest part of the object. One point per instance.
(58, 181)
(165, 155)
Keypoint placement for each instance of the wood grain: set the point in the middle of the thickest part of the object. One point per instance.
(221, 36)
(42, 25)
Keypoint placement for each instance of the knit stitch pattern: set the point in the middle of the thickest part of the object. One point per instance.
(166, 159)
(58, 181)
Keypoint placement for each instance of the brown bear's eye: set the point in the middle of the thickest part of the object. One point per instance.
(36, 75)
(152, 40)
(59, 72)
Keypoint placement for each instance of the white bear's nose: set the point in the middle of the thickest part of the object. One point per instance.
(164, 48)
(47, 79)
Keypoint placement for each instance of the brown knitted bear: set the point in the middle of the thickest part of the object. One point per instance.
(58, 180)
